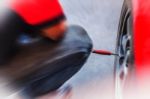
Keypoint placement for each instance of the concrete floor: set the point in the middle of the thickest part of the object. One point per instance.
(100, 18)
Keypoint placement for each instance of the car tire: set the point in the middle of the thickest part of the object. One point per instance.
(124, 68)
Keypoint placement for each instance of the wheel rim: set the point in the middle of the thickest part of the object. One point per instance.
(124, 51)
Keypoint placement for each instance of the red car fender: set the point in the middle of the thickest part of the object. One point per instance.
(141, 25)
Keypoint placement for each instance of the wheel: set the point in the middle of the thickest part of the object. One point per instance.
(124, 68)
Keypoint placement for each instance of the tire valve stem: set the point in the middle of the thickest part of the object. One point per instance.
(103, 52)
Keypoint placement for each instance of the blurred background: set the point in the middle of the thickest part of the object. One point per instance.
(100, 18)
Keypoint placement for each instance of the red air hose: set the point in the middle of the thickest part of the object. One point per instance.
(103, 52)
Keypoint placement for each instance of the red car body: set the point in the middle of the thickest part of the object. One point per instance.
(141, 27)
(141, 24)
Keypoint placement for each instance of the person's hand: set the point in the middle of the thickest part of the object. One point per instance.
(55, 32)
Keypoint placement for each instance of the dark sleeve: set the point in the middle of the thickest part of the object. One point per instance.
(10, 28)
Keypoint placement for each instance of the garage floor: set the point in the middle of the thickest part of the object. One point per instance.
(100, 18)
